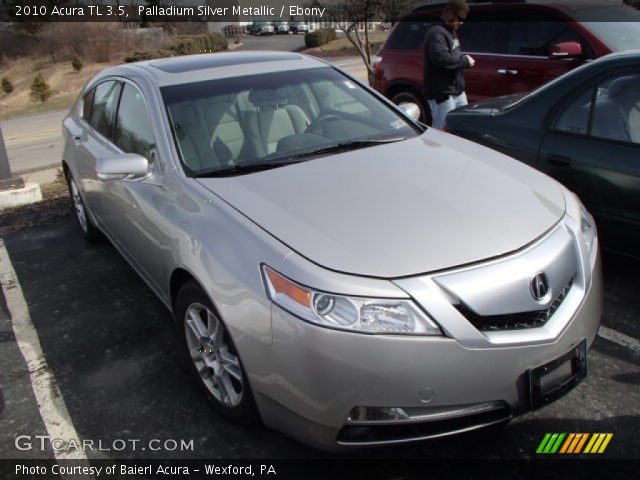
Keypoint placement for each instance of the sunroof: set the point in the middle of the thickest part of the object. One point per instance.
(202, 62)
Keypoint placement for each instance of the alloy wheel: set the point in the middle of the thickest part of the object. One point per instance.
(213, 355)
(79, 206)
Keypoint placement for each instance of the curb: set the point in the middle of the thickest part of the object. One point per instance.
(30, 193)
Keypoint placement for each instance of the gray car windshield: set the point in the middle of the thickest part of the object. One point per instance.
(244, 124)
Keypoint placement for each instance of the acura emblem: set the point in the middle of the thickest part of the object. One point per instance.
(539, 286)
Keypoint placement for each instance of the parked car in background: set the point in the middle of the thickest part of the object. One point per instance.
(261, 28)
(517, 46)
(583, 129)
(335, 268)
(266, 28)
(299, 27)
(281, 28)
(252, 28)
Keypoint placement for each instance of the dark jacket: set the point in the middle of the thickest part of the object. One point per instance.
(443, 63)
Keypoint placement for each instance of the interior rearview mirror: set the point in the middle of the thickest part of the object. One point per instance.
(410, 109)
(128, 166)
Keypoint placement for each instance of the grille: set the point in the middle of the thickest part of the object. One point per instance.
(514, 321)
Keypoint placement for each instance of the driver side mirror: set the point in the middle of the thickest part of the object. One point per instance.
(128, 166)
(411, 110)
(566, 50)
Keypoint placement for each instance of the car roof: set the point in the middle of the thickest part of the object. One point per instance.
(212, 66)
(623, 54)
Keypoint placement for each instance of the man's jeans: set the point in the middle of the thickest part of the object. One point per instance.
(439, 110)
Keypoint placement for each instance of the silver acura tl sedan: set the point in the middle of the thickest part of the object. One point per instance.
(335, 269)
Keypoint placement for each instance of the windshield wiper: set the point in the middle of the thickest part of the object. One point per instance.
(243, 169)
(346, 146)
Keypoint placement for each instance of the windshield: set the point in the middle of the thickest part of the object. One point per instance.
(275, 118)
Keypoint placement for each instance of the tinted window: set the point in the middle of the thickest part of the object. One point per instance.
(105, 102)
(575, 118)
(535, 36)
(134, 133)
(477, 33)
(616, 112)
(407, 35)
(87, 100)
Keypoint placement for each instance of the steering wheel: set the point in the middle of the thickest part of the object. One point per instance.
(313, 126)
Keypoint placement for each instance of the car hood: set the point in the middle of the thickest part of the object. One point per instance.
(410, 207)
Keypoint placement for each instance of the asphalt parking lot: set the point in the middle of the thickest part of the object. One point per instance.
(109, 346)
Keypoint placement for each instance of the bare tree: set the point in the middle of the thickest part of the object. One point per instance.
(353, 17)
(392, 10)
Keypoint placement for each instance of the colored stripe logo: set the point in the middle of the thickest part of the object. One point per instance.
(574, 443)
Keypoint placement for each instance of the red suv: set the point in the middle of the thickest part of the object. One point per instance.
(517, 46)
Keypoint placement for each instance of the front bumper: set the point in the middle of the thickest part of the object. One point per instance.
(311, 378)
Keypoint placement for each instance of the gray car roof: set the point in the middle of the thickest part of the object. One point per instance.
(195, 68)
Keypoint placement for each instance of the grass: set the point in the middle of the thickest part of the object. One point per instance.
(63, 80)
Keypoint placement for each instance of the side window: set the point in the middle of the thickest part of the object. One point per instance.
(477, 33)
(133, 133)
(408, 35)
(575, 118)
(533, 37)
(616, 111)
(87, 101)
(105, 102)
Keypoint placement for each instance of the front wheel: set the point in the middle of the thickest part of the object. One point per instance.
(213, 357)
(408, 96)
(89, 231)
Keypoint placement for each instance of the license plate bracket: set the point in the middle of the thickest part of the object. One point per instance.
(540, 394)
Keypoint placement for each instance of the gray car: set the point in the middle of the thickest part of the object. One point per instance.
(336, 269)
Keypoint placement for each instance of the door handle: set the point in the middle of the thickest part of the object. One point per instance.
(507, 71)
(560, 160)
(76, 139)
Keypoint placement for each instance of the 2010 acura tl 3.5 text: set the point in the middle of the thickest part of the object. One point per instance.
(335, 268)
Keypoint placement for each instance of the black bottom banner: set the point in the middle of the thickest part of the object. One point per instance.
(317, 469)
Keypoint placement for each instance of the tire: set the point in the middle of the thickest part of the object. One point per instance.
(408, 96)
(90, 232)
(212, 356)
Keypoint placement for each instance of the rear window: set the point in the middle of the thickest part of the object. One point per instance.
(408, 35)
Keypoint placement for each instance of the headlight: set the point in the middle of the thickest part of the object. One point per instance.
(356, 314)
(588, 229)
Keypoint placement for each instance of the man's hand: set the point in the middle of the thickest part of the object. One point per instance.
(472, 62)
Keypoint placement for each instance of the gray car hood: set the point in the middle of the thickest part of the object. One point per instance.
(399, 209)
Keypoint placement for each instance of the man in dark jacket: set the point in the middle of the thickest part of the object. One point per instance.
(444, 63)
